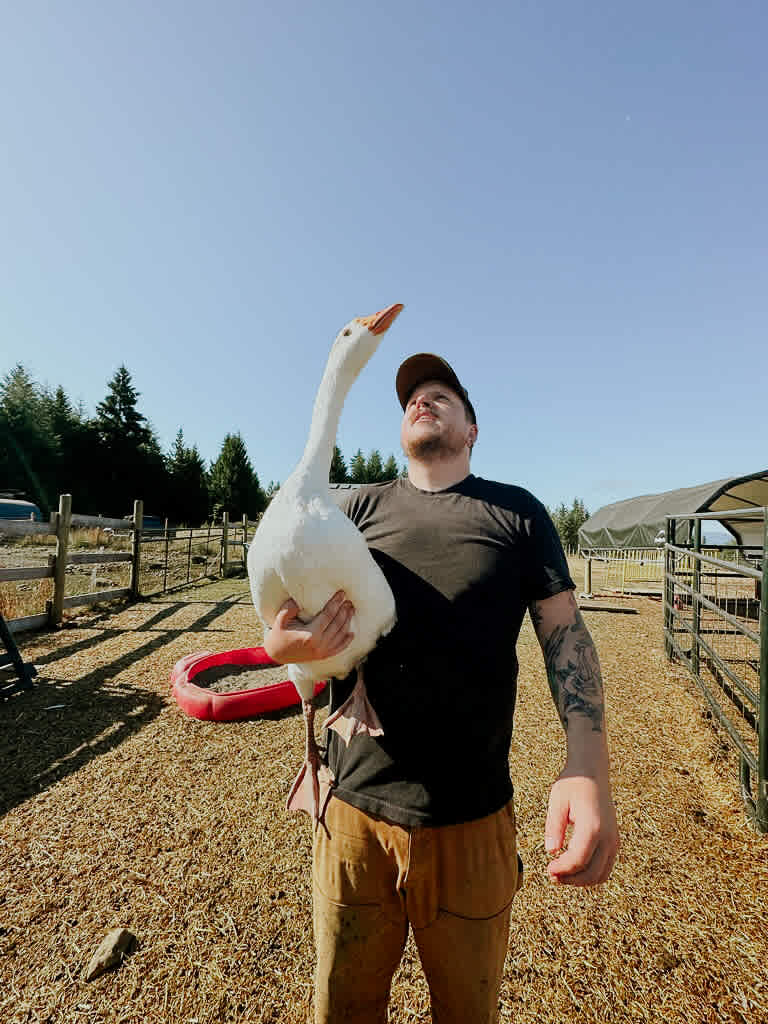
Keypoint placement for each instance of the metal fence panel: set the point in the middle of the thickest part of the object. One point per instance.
(716, 625)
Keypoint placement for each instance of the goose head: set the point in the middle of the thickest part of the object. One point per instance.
(358, 340)
(352, 348)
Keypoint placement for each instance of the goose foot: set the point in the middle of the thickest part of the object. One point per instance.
(356, 716)
(311, 789)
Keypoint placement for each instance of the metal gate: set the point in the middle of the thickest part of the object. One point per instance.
(716, 625)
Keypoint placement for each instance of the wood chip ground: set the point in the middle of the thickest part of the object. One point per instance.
(118, 810)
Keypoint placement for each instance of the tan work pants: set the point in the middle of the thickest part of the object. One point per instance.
(454, 885)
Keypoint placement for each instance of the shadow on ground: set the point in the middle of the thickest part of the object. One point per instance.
(52, 730)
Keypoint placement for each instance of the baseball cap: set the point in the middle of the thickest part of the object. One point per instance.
(427, 366)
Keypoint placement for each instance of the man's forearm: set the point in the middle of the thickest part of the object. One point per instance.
(575, 682)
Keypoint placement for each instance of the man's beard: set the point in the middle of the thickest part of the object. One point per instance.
(434, 447)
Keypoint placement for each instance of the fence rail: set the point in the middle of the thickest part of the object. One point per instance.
(159, 560)
(623, 570)
(710, 603)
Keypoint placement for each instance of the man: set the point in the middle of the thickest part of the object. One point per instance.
(420, 830)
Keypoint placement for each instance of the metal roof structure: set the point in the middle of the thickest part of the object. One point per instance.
(640, 522)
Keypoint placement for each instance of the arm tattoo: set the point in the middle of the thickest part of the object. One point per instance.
(573, 671)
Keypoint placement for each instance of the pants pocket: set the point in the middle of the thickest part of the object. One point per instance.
(480, 869)
(352, 870)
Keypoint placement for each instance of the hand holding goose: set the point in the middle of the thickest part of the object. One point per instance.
(307, 550)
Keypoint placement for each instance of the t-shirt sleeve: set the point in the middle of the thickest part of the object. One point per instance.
(547, 567)
(350, 506)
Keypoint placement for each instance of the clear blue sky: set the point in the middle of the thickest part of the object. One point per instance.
(570, 199)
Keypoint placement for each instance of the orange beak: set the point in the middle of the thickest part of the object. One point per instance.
(381, 321)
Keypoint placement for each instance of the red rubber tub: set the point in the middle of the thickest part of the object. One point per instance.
(200, 702)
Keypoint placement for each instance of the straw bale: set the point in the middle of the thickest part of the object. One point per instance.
(119, 811)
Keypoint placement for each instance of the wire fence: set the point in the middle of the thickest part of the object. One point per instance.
(174, 557)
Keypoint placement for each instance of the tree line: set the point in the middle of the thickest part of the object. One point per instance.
(568, 521)
(49, 446)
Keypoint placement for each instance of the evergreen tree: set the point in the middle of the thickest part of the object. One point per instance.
(234, 485)
(188, 485)
(568, 521)
(374, 468)
(75, 446)
(390, 471)
(27, 447)
(357, 468)
(117, 418)
(132, 464)
(338, 474)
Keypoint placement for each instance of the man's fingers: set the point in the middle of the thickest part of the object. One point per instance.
(557, 822)
(335, 618)
(339, 644)
(578, 857)
(288, 612)
(598, 870)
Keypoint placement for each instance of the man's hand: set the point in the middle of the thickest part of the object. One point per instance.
(581, 796)
(292, 641)
(584, 802)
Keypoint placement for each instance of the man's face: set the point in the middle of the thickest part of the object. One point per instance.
(435, 422)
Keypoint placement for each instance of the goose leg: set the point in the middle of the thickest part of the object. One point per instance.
(356, 715)
(312, 787)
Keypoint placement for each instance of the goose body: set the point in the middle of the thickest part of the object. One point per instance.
(313, 551)
(305, 548)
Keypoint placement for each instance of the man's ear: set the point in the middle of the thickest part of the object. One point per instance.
(472, 435)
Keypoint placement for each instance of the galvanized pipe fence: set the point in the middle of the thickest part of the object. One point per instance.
(716, 626)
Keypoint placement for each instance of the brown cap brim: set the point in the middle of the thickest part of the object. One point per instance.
(427, 366)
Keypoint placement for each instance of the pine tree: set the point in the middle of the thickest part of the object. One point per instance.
(64, 424)
(117, 419)
(234, 485)
(568, 521)
(27, 447)
(131, 461)
(374, 468)
(338, 474)
(390, 471)
(357, 468)
(188, 493)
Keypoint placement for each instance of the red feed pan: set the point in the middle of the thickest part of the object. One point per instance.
(200, 702)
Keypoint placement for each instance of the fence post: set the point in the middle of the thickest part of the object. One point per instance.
(63, 521)
(761, 800)
(588, 577)
(224, 542)
(668, 587)
(138, 524)
(165, 564)
(245, 539)
(695, 606)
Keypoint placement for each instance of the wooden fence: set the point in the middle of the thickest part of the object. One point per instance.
(228, 538)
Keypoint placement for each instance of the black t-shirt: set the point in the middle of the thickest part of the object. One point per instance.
(463, 564)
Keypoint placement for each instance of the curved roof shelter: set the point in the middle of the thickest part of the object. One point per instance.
(641, 523)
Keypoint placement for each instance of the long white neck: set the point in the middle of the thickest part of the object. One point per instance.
(315, 464)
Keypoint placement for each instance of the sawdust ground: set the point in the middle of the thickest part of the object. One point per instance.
(118, 810)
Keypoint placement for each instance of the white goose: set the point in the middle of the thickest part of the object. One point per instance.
(307, 549)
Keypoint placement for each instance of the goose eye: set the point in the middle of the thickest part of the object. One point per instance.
(347, 332)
